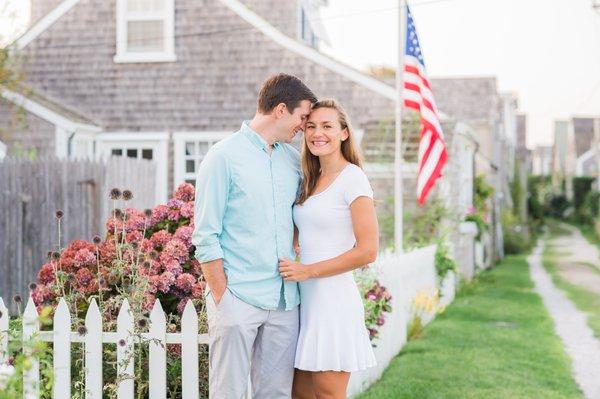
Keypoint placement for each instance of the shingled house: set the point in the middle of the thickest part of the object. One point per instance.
(166, 79)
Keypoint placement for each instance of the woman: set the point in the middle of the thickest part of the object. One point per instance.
(337, 233)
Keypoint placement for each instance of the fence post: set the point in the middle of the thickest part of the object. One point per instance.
(31, 377)
(93, 352)
(125, 354)
(157, 369)
(189, 352)
(62, 351)
(3, 332)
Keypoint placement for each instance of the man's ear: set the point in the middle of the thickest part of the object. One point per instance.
(279, 110)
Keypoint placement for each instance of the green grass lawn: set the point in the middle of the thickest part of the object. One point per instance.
(495, 341)
(586, 301)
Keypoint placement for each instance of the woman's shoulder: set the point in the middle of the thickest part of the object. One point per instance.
(354, 172)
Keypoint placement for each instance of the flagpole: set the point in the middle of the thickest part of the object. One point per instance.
(398, 162)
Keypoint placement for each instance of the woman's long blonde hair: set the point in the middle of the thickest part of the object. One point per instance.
(311, 167)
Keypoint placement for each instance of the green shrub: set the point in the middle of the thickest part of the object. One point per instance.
(588, 211)
(443, 261)
(516, 237)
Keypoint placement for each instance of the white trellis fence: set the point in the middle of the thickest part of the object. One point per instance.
(62, 337)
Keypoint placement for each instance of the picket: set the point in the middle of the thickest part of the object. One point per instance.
(30, 328)
(157, 371)
(93, 352)
(189, 352)
(62, 351)
(125, 358)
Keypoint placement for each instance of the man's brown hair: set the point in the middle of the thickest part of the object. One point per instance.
(283, 88)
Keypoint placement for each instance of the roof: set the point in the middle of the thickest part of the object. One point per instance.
(467, 98)
(48, 110)
(583, 129)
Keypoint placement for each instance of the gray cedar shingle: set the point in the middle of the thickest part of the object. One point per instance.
(212, 86)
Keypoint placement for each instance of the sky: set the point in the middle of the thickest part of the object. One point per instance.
(547, 51)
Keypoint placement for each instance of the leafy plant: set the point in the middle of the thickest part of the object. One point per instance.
(443, 261)
(376, 300)
(20, 357)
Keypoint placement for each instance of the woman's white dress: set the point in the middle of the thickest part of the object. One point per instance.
(333, 336)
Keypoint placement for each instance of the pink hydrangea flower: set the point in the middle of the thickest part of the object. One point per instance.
(159, 213)
(185, 282)
(166, 280)
(86, 281)
(160, 238)
(177, 249)
(41, 294)
(185, 192)
(184, 233)
(135, 220)
(174, 267)
(198, 289)
(149, 301)
(134, 236)
(187, 210)
(146, 245)
(84, 257)
(174, 209)
(46, 274)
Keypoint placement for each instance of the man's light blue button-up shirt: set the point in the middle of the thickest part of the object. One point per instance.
(243, 214)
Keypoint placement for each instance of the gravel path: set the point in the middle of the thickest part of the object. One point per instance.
(571, 326)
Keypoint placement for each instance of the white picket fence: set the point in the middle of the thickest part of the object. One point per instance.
(404, 275)
(95, 337)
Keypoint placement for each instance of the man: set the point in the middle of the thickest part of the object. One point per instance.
(245, 190)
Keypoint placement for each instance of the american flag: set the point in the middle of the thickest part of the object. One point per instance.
(418, 95)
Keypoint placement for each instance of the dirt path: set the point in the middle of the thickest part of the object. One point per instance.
(571, 326)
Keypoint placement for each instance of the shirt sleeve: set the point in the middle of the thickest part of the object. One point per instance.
(212, 191)
(357, 185)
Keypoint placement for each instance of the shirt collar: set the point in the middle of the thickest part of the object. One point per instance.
(256, 138)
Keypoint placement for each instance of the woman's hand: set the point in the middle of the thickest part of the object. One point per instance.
(294, 271)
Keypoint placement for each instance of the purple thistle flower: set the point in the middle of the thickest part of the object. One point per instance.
(115, 194)
(127, 195)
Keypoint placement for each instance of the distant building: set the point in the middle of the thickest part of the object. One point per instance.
(541, 160)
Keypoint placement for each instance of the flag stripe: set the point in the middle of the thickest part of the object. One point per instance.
(418, 95)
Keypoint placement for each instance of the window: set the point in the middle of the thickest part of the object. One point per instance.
(145, 31)
(310, 28)
(190, 150)
(131, 152)
(140, 145)
(305, 31)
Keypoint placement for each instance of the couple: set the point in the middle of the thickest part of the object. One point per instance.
(260, 204)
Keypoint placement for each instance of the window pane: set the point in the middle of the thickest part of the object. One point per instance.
(189, 148)
(132, 153)
(147, 153)
(191, 181)
(190, 166)
(145, 36)
(117, 151)
(145, 5)
(204, 146)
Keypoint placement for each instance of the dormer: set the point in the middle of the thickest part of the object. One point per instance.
(145, 31)
(310, 27)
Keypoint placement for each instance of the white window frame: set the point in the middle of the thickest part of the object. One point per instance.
(168, 17)
(158, 141)
(179, 140)
(304, 26)
(2, 150)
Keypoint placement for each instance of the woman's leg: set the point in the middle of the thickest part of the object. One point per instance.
(330, 384)
(303, 385)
